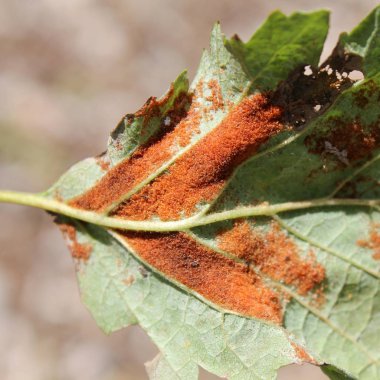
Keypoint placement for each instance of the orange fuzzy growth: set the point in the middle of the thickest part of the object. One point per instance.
(216, 97)
(78, 251)
(302, 355)
(201, 173)
(274, 254)
(373, 242)
(184, 121)
(219, 279)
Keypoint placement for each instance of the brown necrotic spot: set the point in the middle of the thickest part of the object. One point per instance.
(344, 141)
(78, 250)
(202, 172)
(367, 94)
(274, 254)
(309, 91)
(222, 281)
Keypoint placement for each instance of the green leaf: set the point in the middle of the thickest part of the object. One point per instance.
(364, 41)
(280, 45)
(160, 368)
(236, 220)
(188, 331)
(136, 130)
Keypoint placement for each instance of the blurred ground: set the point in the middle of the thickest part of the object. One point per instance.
(69, 70)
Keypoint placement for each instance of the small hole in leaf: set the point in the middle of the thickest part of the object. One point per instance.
(308, 71)
(356, 75)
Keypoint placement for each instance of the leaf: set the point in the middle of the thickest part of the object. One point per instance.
(364, 41)
(280, 45)
(237, 219)
(160, 368)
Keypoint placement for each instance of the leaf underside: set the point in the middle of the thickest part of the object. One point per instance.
(245, 294)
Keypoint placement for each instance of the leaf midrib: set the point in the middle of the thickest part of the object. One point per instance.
(260, 154)
(57, 207)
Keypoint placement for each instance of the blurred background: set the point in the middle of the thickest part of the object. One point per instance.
(69, 70)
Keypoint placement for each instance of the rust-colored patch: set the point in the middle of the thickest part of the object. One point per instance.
(302, 355)
(201, 173)
(373, 242)
(190, 124)
(182, 110)
(348, 142)
(221, 280)
(318, 297)
(78, 251)
(180, 124)
(103, 162)
(274, 254)
(195, 177)
(216, 97)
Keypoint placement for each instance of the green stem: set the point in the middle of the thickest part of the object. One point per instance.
(40, 201)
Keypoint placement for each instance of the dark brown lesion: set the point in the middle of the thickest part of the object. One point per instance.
(365, 95)
(341, 141)
(347, 142)
(309, 91)
(359, 187)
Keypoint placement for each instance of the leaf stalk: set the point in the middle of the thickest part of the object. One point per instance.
(59, 207)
